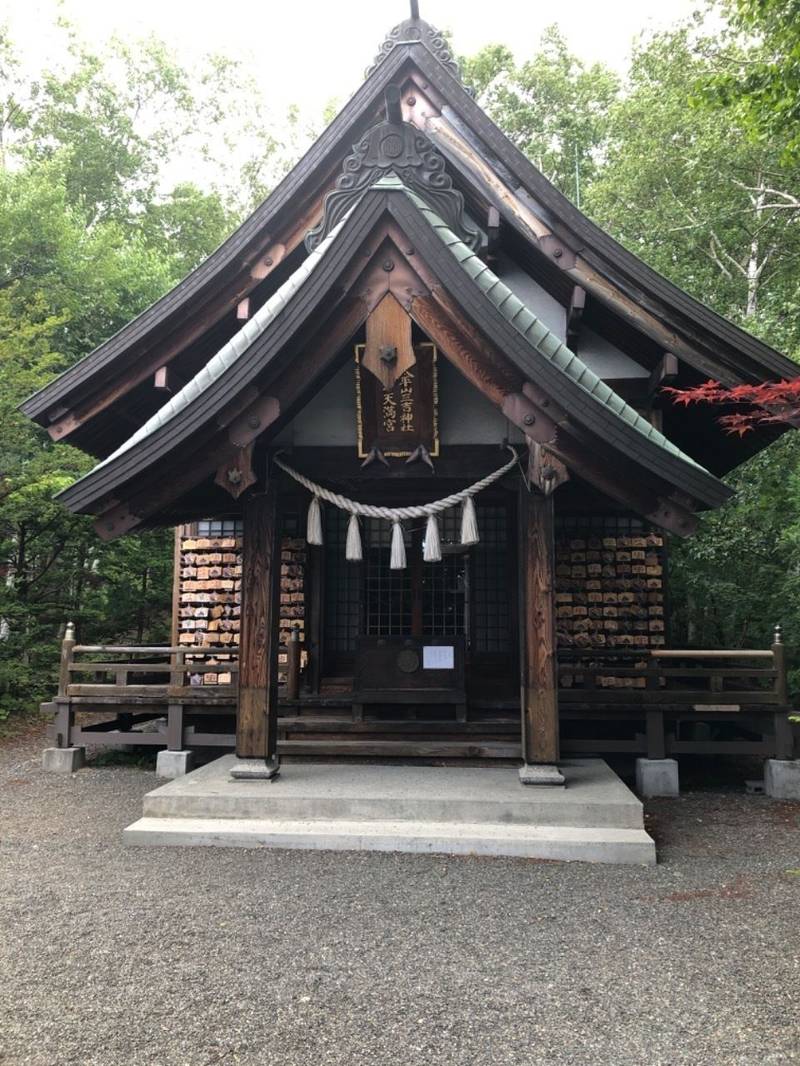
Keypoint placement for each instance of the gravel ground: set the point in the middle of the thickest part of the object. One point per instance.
(113, 956)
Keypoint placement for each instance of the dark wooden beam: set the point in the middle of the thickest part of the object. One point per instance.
(539, 672)
(394, 112)
(257, 714)
(315, 629)
(664, 372)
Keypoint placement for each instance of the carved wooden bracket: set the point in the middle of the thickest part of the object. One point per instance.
(545, 471)
(533, 422)
(237, 474)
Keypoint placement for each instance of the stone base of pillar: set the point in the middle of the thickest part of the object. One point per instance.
(782, 778)
(657, 777)
(63, 760)
(535, 774)
(256, 769)
(172, 764)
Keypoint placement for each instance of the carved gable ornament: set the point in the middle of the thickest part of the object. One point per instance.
(400, 148)
(414, 31)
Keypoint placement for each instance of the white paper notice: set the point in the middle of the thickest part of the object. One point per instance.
(438, 657)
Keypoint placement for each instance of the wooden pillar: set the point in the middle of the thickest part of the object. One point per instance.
(538, 646)
(784, 730)
(176, 585)
(314, 580)
(257, 717)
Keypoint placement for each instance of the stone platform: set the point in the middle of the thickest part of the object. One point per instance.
(452, 810)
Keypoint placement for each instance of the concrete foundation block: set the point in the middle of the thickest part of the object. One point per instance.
(256, 769)
(657, 777)
(534, 774)
(782, 778)
(391, 808)
(172, 764)
(63, 760)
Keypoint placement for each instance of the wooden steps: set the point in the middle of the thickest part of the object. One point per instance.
(411, 749)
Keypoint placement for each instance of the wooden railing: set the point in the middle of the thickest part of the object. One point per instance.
(183, 691)
(147, 671)
(151, 684)
(698, 678)
(658, 676)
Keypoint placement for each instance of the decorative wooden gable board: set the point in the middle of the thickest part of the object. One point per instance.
(396, 386)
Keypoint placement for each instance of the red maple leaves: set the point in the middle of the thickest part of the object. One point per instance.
(771, 401)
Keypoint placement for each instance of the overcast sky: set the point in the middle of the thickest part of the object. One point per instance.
(310, 51)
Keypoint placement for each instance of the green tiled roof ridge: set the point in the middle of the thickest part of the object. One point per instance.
(516, 312)
(230, 352)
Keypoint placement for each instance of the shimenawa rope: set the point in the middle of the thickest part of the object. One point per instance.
(396, 515)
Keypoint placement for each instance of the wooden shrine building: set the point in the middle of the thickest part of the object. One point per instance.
(414, 316)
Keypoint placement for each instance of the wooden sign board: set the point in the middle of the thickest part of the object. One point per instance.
(398, 419)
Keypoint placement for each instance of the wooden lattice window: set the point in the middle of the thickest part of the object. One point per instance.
(490, 584)
(387, 593)
(342, 587)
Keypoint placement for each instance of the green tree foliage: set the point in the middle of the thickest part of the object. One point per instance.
(553, 107)
(684, 187)
(763, 83)
(92, 230)
(690, 192)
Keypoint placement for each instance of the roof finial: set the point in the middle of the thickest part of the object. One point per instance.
(416, 31)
